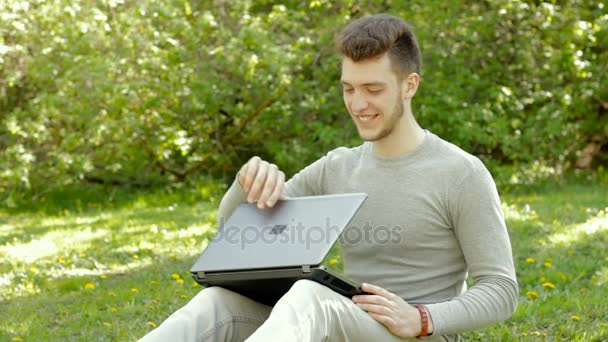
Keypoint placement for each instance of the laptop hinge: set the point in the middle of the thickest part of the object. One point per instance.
(306, 268)
(200, 275)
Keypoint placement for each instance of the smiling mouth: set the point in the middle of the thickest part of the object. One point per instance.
(367, 118)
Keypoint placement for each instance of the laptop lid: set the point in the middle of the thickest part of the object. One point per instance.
(295, 232)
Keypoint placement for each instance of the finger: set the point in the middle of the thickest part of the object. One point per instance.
(258, 182)
(377, 290)
(269, 185)
(377, 309)
(384, 320)
(373, 299)
(278, 190)
(252, 170)
(242, 175)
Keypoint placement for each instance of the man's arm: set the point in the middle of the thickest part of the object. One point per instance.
(479, 225)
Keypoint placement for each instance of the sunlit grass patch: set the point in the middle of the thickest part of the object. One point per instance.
(87, 244)
(69, 274)
(595, 224)
(559, 238)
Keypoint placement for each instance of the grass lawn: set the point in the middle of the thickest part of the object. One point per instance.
(104, 265)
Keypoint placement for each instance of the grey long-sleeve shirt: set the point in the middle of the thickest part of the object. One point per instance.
(432, 216)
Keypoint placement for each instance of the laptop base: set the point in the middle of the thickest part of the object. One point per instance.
(268, 286)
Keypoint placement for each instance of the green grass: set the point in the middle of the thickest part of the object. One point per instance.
(100, 264)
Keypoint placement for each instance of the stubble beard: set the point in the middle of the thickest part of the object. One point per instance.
(389, 127)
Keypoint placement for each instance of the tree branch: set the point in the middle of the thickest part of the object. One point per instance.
(251, 116)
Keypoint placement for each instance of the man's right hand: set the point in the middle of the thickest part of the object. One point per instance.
(263, 182)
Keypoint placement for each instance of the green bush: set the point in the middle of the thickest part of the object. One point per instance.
(149, 92)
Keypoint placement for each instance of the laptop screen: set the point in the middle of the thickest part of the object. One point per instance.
(295, 232)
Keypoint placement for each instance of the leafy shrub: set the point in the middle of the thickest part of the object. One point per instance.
(149, 92)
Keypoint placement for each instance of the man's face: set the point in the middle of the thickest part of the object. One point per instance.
(372, 95)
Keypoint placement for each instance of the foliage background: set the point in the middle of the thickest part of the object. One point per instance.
(154, 92)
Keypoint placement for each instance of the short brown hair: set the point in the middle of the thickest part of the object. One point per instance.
(372, 36)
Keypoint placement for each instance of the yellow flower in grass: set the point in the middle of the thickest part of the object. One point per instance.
(152, 324)
(134, 289)
(114, 310)
(548, 263)
(333, 261)
(543, 279)
(561, 276)
(176, 276)
(195, 284)
(530, 260)
(17, 338)
(575, 318)
(180, 281)
(103, 276)
(548, 285)
(535, 333)
(107, 324)
(183, 296)
(532, 294)
(89, 286)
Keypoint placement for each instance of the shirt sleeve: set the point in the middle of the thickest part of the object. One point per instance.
(480, 228)
(232, 198)
(310, 181)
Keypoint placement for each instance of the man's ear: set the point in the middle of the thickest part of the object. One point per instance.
(410, 85)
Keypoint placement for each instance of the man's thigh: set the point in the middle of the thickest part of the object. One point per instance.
(313, 312)
(214, 314)
(354, 324)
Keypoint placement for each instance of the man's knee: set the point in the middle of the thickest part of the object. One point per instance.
(213, 295)
(305, 285)
(216, 292)
(308, 291)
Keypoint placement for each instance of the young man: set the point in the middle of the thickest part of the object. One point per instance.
(442, 200)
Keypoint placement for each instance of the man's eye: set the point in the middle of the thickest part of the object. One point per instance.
(348, 90)
(375, 91)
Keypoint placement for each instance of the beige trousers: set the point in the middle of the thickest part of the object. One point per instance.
(307, 312)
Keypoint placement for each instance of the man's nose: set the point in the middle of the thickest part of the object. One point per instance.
(359, 102)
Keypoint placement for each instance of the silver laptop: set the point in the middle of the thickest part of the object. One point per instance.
(261, 253)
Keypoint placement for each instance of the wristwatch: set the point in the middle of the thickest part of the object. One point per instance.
(424, 319)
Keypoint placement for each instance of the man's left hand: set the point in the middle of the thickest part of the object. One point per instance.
(392, 311)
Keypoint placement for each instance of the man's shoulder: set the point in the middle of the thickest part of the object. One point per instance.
(345, 153)
(452, 157)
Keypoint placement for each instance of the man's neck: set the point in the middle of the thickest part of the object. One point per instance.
(406, 136)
